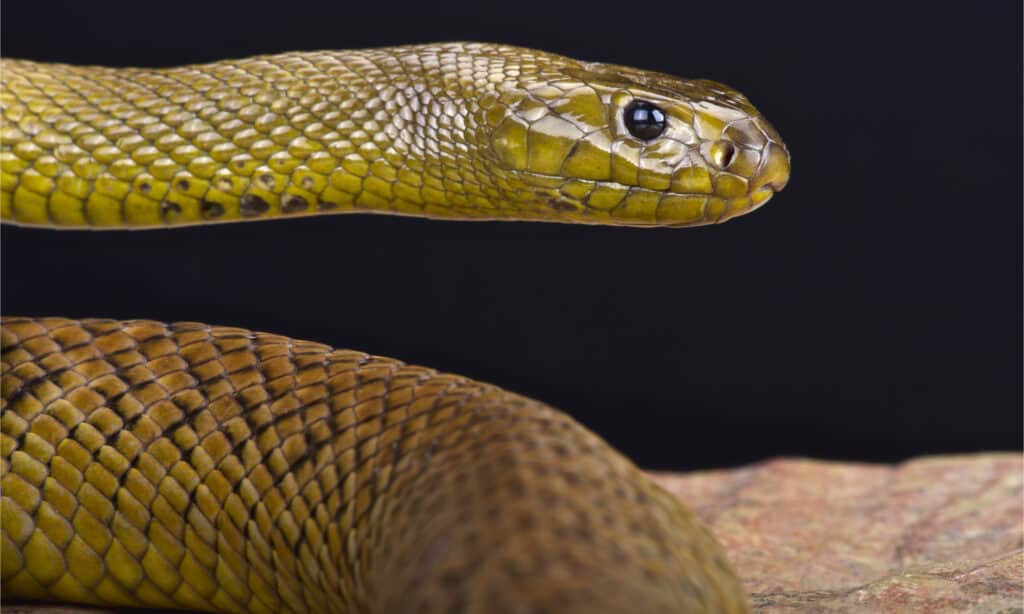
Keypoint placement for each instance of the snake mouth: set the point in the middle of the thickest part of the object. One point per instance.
(636, 206)
(737, 207)
(594, 202)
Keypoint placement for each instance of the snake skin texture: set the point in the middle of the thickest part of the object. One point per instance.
(466, 131)
(193, 466)
(212, 468)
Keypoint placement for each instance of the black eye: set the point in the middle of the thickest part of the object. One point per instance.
(644, 120)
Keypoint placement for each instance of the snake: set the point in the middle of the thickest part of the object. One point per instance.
(212, 468)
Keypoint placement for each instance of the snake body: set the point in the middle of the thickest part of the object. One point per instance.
(212, 468)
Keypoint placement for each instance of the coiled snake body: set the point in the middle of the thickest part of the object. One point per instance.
(214, 468)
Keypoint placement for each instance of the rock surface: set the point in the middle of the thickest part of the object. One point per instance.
(935, 534)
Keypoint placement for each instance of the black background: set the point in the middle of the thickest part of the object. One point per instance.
(872, 311)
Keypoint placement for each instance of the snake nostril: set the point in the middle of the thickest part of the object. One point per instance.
(722, 154)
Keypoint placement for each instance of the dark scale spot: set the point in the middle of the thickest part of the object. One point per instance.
(169, 209)
(293, 204)
(325, 206)
(131, 421)
(515, 569)
(451, 578)
(504, 459)
(183, 185)
(145, 188)
(267, 179)
(252, 205)
(211, 209)
(516, 487)
(561, 205)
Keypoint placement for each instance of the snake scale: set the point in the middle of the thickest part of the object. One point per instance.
(193, 466)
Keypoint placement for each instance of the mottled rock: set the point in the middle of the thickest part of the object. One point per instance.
(935, 534)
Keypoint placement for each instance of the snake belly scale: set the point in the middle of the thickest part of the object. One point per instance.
(194, 466)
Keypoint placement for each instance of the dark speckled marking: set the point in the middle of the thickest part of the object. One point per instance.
(169, 210)
(326, 206)
(252, 205)
(561, 205)
(211, 210)
(183, 185)
(293, 204)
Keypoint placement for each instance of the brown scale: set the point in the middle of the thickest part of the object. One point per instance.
(214, 468)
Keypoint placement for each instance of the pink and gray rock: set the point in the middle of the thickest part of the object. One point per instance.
(935, 534)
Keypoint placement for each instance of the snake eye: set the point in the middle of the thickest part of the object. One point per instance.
(644, 120)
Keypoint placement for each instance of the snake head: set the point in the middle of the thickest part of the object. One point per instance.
(611, 144)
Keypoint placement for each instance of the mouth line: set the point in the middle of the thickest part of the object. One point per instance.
(729, 213)
(765, 192)
(768, 191)
(752, 200)
(641, 189)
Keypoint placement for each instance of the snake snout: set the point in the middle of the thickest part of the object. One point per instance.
(751, 148)
(774, 171)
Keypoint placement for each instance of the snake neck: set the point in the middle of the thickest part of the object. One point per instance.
(401, 130)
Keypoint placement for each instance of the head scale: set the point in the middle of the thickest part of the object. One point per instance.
(615, 145)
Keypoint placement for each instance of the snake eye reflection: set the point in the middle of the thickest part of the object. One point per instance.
(722, 154)
(644, 120)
